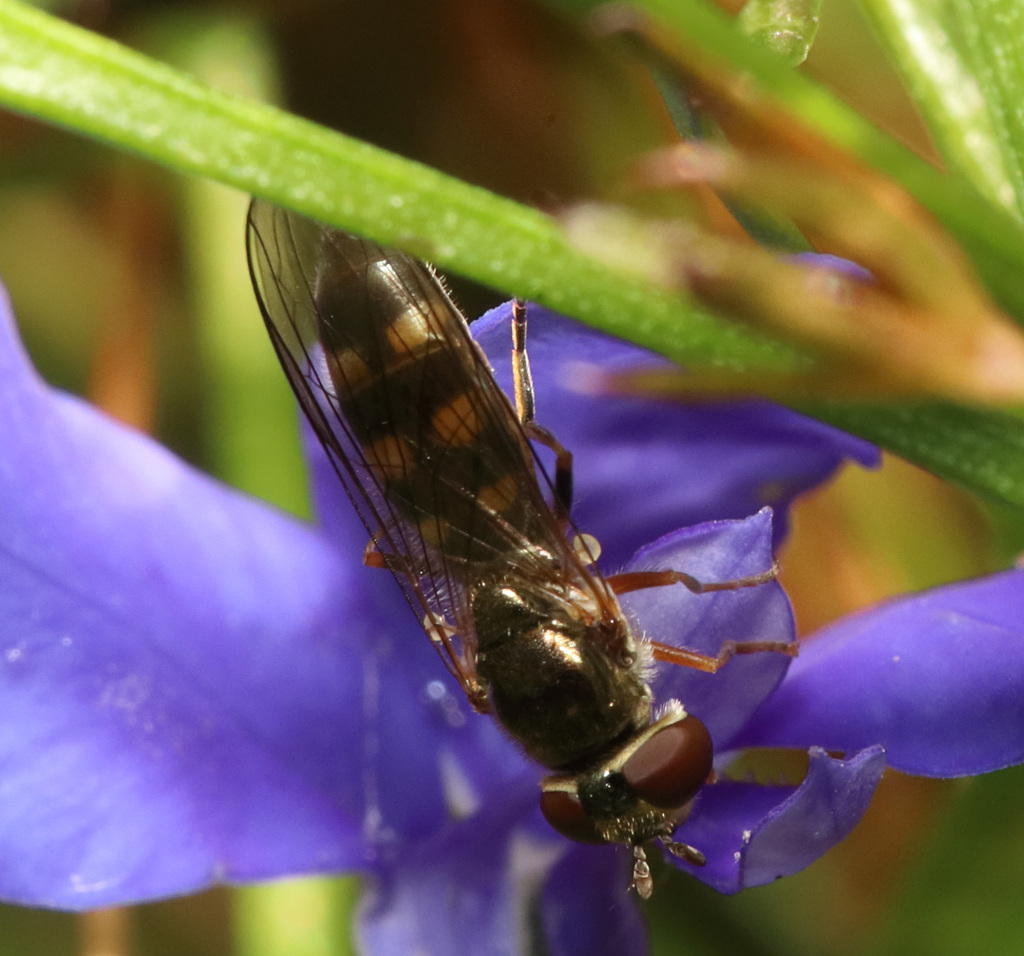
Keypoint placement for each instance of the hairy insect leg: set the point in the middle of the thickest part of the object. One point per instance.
(522, 377)
(563, 469)
(638, 580)
(526, 407)
(684, 657)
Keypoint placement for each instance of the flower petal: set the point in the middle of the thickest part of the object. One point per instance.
(714, 552)
(181, 676)
(936, 678)
(467, 890)
(645, 468)
(591, 880)
(822, 812)
(753, 835)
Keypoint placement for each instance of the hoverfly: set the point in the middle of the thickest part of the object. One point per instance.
(439, 465)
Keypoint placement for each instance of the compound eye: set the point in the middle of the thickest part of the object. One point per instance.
(566, 815)
(668, 769)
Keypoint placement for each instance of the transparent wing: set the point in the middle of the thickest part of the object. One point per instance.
(425, 443)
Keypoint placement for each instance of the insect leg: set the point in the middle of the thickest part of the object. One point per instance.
(373, 557)
(638, 580)
(526, 407)
(684, 657)
(522, 378)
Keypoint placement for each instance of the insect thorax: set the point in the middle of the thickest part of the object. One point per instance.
(551, 680)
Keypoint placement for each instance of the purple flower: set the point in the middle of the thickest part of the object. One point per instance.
(195, 688)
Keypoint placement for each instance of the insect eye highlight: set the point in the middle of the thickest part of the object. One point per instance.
(670, 767)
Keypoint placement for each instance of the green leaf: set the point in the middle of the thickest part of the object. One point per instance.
(249, 417)
(66, 75)
(962, 62)
(980, 450)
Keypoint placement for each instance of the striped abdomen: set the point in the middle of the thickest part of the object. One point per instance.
(441, 440)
